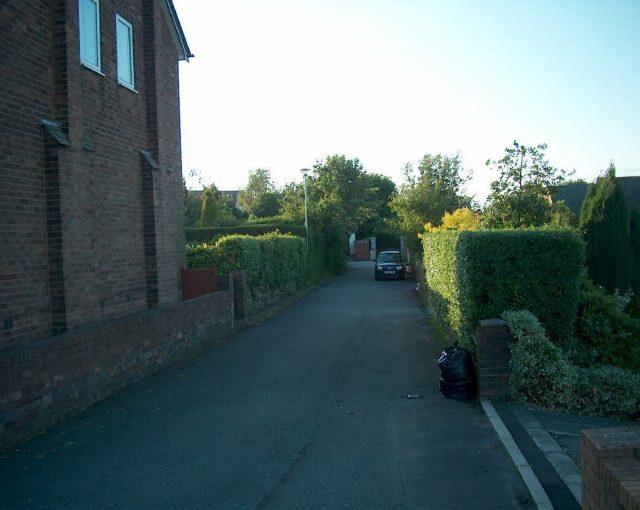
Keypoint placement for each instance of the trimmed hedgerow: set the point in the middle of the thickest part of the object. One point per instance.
(271, 260)
(284, 259)
(238, 251)
(473, 275)
(541, 375)
(200, 255)
(208, 234)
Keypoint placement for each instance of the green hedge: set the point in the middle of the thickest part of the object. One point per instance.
(541, 375)
(271, 260)
(473, 275)
(210, 234)
(200, 255)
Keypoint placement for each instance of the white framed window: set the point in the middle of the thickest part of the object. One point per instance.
(124, 46)
(89, 26)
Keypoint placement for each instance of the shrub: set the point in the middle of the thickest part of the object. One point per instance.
(602, 389)
(605, 333)
(284, 258)
(474, 275)
(539, 372)
(240, 252)
(206, 235)
(271, 260)
(328, 240)
(200, 256)
(542, 376)
(604, 219)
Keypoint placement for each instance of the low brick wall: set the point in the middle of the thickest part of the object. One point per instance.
(611, 469)
(55, 377)
(493, 354)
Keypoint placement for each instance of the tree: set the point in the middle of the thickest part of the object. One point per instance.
(217, 209)
(192, 206)
(560, 216)
(435, 189)
(260, 197)
(520, 197)
(604, 221)
(292, 202)
(338, 179)
(460, 219)
(192, 201)
(373, 208)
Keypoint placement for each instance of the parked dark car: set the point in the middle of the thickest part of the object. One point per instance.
(389, 264)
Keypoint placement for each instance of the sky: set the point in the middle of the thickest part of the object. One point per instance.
(283, 84)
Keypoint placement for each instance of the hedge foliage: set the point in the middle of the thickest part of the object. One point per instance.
(272, 260)
(604, 332)
(542, 376)
(473, 275)
(210, 234)
(200, 255)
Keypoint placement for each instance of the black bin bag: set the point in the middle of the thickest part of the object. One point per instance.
(457, 378)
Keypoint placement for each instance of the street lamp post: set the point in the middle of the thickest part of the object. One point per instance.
(304, 173)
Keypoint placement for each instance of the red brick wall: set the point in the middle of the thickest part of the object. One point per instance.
(92, 265)
(611, 469)
(170, 224)
(58, 376)
(25, 97)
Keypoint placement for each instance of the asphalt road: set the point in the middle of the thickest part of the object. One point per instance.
(307, 410)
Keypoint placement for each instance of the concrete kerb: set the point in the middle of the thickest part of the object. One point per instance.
(530, 479)
(554, 453)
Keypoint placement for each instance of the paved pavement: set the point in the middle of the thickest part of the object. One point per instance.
(566, 428)
(307, 410)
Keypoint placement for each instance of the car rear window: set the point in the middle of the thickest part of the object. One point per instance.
(389, 257)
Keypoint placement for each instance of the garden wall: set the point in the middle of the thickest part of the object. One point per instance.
(54, 377)
(474, 275)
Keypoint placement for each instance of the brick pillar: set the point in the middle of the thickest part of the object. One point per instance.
(240, 294)
(611, 469)
(492, 348)
(55, 144)
(149, 203)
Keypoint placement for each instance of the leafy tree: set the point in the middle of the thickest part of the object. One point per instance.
(560, 216)
(373, 209)
(217, 208)
(338, 179)
(520, 197)
(260, 197)
(292, 202)
(604, 221)
(192, 201)
(192, 206)
(435, 189)
(460, 219)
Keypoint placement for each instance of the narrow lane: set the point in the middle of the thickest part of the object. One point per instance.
(307, 410)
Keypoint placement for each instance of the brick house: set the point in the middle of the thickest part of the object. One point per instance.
(91, 203)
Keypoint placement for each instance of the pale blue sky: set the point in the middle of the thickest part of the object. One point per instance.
(280, 84)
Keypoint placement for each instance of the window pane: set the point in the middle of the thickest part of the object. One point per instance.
(125, 64)
(89, 46)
